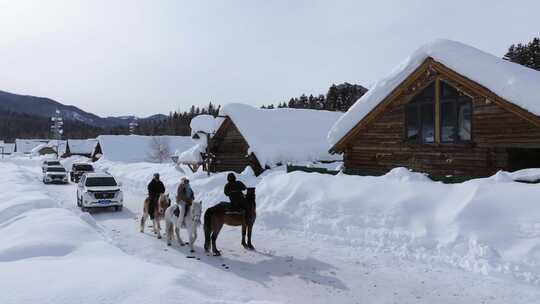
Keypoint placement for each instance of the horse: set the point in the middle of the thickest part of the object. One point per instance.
(164, 202)
(174, 217)
(215, 217)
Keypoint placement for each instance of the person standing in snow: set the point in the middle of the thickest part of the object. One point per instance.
(233, 189)
(155, 189)
(184, 194)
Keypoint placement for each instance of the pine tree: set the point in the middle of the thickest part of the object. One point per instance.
(525, 54)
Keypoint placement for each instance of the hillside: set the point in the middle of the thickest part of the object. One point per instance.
(46, 107)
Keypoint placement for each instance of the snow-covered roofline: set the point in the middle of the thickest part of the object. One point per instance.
(283, 135)
(513, 82)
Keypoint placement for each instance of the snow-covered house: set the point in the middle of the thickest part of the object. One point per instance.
(263, 138)
(6, 148)
(202, 127)
(82, 147)
(25, 146)
(138, 148)
(449, 109)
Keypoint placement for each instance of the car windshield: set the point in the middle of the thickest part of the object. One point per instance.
(100, 182)
(83, 168)
(53, 163)
(56, 169)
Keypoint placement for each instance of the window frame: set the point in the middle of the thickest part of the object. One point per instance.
(437, 115)
(418, 105)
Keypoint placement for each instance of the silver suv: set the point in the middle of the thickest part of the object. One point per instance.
(99, 190)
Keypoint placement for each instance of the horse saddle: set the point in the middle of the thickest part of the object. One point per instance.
(176, 211)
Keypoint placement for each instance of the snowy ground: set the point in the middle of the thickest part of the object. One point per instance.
(50, 252)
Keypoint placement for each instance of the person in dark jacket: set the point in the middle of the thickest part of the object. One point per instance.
(155, 189)
(233, 189)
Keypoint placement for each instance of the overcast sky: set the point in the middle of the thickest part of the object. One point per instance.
(146, 57)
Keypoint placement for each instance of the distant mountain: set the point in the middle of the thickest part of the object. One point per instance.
(46, 107)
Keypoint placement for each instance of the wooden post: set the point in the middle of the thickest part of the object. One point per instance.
(438, 109)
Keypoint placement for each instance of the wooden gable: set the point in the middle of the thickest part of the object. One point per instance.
(230, 150)
(428, 71)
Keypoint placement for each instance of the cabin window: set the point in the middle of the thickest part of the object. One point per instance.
(420, 116)
(454, 115)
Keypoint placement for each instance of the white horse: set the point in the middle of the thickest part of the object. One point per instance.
(191, 222)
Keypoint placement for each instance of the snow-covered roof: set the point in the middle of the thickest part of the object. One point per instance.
(26, 145)
(283, 135)
(138, 148)
(510, 81)
(62, 145)
(191, 156)
(205, 123)
(82, 146)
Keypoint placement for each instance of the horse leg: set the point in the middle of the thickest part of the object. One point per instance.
(244, 236)
(177, 229)
(249, 229)
(192, 236)
(143, 221)
(156, 220)
(169, 230)
(215, 234)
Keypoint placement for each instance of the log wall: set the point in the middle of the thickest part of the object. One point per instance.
(382, 145)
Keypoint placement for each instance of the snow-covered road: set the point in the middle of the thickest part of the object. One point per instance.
(289, 267)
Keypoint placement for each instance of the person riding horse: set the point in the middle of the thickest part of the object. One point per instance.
(185, 194)
(155, 189)
(233, 189)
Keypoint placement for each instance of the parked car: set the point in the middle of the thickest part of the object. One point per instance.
(55, 174)
(49, 163)
(78, 169)
(99, 190)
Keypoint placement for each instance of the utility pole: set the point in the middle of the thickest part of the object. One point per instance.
(57, 129)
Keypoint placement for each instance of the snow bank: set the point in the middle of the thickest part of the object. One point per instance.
(284, 135)
(482, 225)
(511, 81)
(137, 148)
(52, 255)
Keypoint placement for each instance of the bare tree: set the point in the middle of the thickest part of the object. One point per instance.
(160, 150)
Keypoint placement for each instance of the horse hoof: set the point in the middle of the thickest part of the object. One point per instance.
(159, 236)
(251, 248)
(217, 253)
(182, 244)
(168, 244)
(245, 246)
(192, 251)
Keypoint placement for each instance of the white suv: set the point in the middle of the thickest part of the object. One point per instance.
(49, 163)
(99, 190)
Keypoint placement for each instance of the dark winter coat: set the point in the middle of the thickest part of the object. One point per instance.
(155, 188)
(233, 189)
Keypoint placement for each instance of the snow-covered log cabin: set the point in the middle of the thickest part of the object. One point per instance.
(448, 110)
(263, 138)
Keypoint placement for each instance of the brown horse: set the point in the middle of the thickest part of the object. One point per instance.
(164, 202)
(215, 217)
